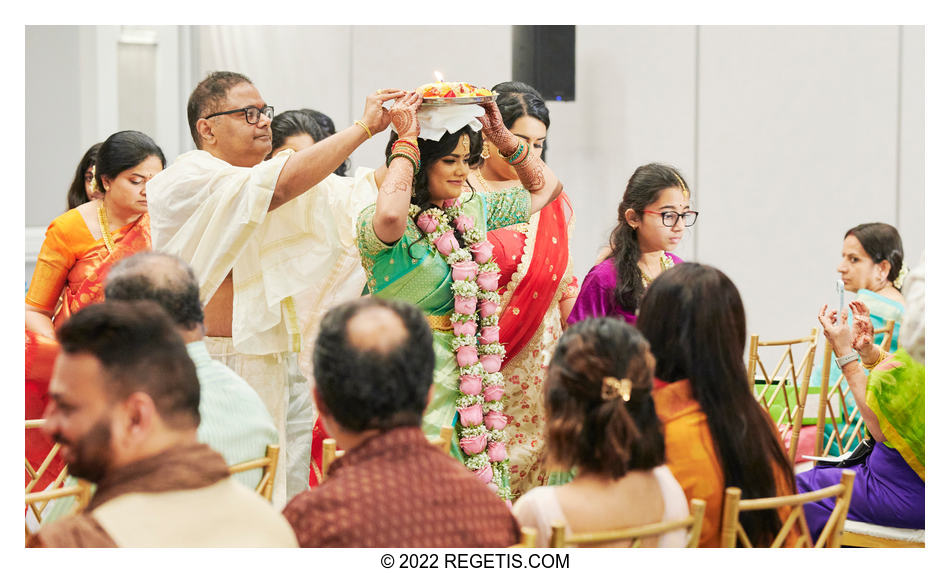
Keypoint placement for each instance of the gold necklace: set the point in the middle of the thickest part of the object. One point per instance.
(481, 179)
(104, 227)
(666, 263)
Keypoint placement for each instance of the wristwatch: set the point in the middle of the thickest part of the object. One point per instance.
(849, 357)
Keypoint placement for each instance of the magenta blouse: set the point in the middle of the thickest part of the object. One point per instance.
(596, 297)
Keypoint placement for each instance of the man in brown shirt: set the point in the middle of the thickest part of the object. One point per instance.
(373, 366)
(124, 406)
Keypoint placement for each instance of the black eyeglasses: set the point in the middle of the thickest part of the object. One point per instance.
(251, 114)
(670, 218)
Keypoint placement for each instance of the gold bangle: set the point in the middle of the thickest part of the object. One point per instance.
(369, 134)
(880, 358)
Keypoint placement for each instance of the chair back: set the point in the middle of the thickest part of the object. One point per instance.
(36, 476)
(528, 539)
(36, 473)
(832, 404)
(830, 536)
(330, 453)
(784, 390)
(633, 536)
(265, 487)
(444, 440)
(36, 501)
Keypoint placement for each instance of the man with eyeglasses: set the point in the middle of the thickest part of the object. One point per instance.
(258, 234)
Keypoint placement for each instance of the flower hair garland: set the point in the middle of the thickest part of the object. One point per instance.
(477, 350)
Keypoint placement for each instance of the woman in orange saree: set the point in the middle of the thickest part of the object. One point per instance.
(82, 243)
(537, 286)
(80, 247)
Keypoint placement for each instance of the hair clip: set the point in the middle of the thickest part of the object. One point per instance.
(612, 388)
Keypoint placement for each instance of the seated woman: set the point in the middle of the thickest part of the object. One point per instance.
(83, 188)
(652, 218)
(889, 482)
(600, 419)
(872, 266)
(717, 435)
(82, 243)
(424, 241)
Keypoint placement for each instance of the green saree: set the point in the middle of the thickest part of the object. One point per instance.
(412, 270)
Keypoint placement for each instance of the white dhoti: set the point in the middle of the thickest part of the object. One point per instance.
(215, 216)
(287, 395)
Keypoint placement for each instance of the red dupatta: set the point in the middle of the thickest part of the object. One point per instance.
(538, 287)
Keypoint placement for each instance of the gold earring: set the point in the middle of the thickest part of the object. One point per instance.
(486, 153)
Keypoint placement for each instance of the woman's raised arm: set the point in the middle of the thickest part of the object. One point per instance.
(392, 202)
(839, 335)
(534, 174)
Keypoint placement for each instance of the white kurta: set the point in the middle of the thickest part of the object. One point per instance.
(214, 216)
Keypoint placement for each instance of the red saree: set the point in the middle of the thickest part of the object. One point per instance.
(535, 275)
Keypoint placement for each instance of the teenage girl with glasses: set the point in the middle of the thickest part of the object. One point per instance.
(652, 219)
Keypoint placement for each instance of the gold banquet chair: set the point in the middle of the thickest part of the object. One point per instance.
(36, 502)
(830, 535)
(784, 388)
(330, 453)
(634, 536)
(832, 405)
(37, 473)
(528, 539)
(265, 487)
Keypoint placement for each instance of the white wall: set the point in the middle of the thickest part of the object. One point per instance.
(788, 135)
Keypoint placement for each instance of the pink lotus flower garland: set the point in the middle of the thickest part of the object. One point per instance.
(477, 350)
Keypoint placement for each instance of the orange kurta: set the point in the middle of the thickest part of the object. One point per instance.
(691, 456)
(73, 264)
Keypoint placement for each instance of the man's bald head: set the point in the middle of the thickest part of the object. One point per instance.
(376, 329)
(373, 364)
(161, 278)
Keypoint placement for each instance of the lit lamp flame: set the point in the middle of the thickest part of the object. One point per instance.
(438, 76)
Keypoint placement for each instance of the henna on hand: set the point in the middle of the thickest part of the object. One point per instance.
(375, 116)
(398, 178)
(531, 173)
(404, 118)
(493, 128)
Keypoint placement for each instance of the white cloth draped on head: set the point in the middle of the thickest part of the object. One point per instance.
(436, 121)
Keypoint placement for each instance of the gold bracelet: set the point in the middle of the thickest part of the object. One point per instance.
(880, 358)
(369, 134)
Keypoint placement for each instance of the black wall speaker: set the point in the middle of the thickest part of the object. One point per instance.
(543, 57)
